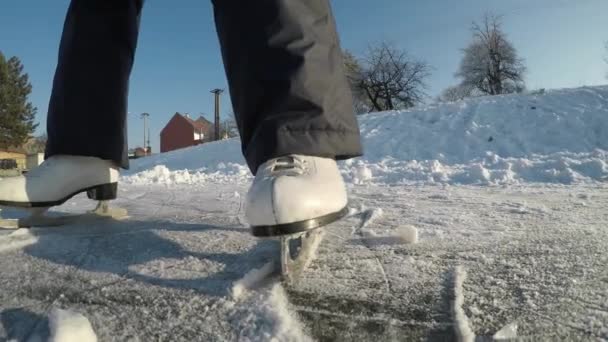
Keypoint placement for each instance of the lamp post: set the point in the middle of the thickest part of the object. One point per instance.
(145, 116)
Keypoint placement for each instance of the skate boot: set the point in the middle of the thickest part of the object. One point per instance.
(58, 179)
(295, 194)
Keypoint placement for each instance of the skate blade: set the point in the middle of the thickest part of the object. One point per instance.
(38, 218)
(288, 229)
(298, 251)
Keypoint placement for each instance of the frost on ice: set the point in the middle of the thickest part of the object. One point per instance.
(463, 325)
(251, 279)
(266, 315)
(16, 240)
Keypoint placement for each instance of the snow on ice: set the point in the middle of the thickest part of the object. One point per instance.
(508, 332)
(251, 279)
(407, 234)
(16, 240)
(463, 326)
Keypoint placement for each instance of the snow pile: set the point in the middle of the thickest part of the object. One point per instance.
(361, 173)
(508, 332)
(218, 162)
(559, 136)
(70, 326)
(208, 155)
(407, 234)
(161, 174)
(561, 167)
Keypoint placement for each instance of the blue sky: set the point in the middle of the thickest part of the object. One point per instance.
(178, 59)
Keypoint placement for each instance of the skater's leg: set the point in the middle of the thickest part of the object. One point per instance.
(86, 120)
(287, 84)
(293, 108)
(88, 104)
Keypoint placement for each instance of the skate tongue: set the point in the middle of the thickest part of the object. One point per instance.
(288, 163)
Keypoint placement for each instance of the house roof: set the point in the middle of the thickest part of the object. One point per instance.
(199, 124)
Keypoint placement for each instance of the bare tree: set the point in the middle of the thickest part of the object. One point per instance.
(228, 127)
(354, 73)
(390, 79)
(490, 63)
(36, 144)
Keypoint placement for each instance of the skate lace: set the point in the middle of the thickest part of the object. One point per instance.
(290, 165)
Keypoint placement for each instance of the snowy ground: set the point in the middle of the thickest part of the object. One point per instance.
(510, 239)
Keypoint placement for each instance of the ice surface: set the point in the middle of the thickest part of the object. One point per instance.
(172, 270)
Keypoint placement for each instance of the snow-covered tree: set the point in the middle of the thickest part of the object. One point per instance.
(491, 64)
(390, 79)
(455, 93)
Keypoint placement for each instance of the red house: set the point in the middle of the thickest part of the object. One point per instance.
(181, 131)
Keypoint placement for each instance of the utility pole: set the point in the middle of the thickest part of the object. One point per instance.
(145, 116)
(217, 93)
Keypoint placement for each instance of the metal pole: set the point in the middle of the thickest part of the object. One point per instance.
(217, 93)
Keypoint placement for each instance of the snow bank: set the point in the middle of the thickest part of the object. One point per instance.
(566, 120)
(161, 174)
(207, 156)
(559, 136)
(559, 168)
(70, 326)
